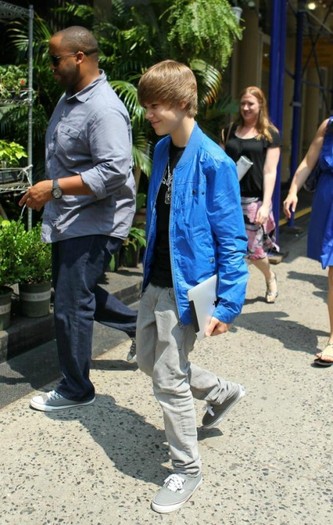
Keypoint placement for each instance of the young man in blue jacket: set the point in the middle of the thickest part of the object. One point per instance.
(195, 229)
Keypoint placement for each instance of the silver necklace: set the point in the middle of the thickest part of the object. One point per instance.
(167, 180)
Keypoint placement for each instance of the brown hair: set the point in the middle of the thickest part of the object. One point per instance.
(263, 123)
(169, 82)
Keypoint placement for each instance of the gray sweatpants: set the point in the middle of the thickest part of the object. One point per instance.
(163, 347)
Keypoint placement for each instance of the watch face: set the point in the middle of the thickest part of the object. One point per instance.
(56, 193)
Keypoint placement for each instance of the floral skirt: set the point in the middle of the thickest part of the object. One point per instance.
(261, 238)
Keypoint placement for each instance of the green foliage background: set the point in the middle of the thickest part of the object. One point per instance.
(132, 36)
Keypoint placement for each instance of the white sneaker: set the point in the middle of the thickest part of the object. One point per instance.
(54, 401)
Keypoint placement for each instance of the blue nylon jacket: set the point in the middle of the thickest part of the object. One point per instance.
(206, 231)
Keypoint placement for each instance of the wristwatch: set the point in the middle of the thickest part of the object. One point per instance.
(56, 191)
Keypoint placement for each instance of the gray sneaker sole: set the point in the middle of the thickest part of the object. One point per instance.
(44, 407)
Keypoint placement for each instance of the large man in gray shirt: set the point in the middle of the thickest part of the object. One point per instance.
(89, 199)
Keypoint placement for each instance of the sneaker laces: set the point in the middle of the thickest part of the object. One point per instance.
(54, 395)
(210, 409)
(132, 349)
(174, 482)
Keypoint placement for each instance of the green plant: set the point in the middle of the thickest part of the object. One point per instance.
(140, 201)
(130, 250)
(34, 264)
(195, 27)
(24, 257)
(137, 237)
(10, 231)
(11, 153)
(13, 81)
(200, 33)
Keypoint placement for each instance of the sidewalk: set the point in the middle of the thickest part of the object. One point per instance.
(269, 462)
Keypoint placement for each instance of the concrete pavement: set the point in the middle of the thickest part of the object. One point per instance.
(269, 462)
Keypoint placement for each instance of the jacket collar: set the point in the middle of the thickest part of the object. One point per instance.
(194, 142)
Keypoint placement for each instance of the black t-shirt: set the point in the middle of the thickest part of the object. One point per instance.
(161, 268)
(251, 184)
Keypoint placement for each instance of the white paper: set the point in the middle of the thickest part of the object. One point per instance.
(243, 165)
(202, 302)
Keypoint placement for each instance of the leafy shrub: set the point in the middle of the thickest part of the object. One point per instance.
(24, 257)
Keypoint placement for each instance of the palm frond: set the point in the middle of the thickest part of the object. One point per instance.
(72, 13)
(209, 81)
(142, 154)
(128, 94)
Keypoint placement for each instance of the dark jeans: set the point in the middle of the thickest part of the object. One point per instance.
(77, 266)
(113, 313)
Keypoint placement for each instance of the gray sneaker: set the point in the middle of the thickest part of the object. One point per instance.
(54, 401)
(215, 413)
(131, 356)
(177, 489)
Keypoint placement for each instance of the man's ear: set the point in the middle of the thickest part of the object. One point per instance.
(79, 57)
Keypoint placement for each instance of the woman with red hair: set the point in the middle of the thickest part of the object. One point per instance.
(255, 141)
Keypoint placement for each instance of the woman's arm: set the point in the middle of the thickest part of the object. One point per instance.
(269, 176)
(304, 169)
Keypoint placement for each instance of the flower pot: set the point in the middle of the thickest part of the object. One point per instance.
(237, 12)
(8, 176)
(5, 307)
(35, 299)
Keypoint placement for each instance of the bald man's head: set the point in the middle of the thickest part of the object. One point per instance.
(78, 38)
(74, 57)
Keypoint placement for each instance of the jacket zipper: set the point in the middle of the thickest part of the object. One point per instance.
(171, 247)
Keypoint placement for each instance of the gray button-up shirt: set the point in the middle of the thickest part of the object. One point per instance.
(89, 134)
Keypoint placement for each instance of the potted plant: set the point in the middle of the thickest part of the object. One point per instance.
(8, 268)
(140, 214)
(13, 83)
(131, 249)
(11, 155)
(34, 273)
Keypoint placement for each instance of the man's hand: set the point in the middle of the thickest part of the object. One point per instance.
(216, 327)
(37, 195)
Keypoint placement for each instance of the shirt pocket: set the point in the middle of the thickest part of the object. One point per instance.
(191, 204)
(67, 142)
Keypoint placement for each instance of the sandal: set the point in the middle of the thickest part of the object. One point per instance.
(271, 289)
(325, 358)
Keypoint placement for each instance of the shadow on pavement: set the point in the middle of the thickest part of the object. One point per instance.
(277, 325)
(121, 433)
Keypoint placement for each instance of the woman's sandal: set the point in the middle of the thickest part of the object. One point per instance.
(271, 290)
(325, 358)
